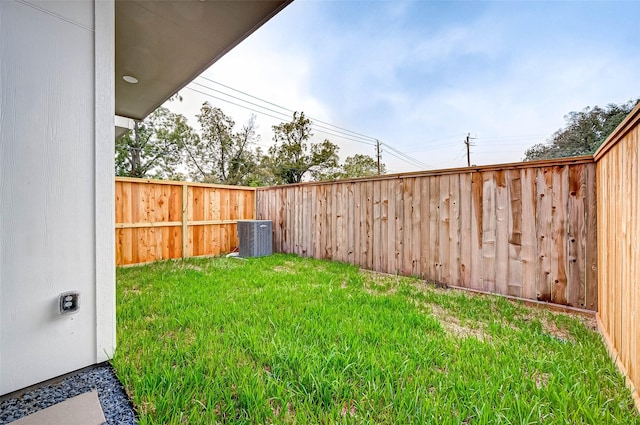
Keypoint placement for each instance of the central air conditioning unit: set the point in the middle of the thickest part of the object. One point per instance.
(255, 238)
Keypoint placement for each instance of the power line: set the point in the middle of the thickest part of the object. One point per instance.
(406, 157)
(314, 124)
(286, 109)
(392, 151)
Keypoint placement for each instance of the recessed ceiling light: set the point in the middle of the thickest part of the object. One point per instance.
(130, 79)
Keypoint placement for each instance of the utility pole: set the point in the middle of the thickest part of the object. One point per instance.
(378, 154)
(468, 143)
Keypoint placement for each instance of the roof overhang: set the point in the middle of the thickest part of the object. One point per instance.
(166, 44)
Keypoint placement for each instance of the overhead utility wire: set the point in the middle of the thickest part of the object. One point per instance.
(398, 154)
(287, 109)
(232, 103)
(407, 157)
(405, 160)
(314, 124)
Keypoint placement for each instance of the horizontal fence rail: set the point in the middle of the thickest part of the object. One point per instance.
(157, 220)
(526, 230)
(618, 162)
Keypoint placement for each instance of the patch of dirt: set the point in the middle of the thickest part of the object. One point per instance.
(452, 325)
(187, 266)
(348, 409)
(186, 337)
(147, 407)
(552, 329)
(376, 283)
(134, 291)
(286, 267)
(277, 408)
(548, 320)
(541, 379)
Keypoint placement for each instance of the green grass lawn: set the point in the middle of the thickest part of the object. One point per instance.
(286, 340)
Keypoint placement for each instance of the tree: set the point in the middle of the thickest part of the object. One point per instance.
(293, 155)
(154, 147)
(361, 166)
(221, 155)
(583, 133)
(357, 165)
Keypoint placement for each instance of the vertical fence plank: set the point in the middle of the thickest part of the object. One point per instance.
(576, 237)
(477, 265)
(529, 242)
(444, 272)
(454, 229)
(352, 214)
(543, 232)
(488, 232)
(338, 230)
(387, 250)
(502, 232)
(369, 200)
(377, 225)
(320, 221)
(514, 274)
(415, 229)
(559, 223)
(591, 249)
(465, 229)
(329, 222)
(398, 221)
(406, 226)
(434, 228)
(425, 227)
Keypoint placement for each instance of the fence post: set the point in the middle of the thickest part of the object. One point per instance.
(185, 233)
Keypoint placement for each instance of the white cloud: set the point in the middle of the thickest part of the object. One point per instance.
(496, 72)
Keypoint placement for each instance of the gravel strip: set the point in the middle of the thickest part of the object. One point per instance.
(115, 403)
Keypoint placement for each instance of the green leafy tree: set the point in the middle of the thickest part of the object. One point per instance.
(221, 155)
(361, 166)
(293, 156)
(583, 133)
(357, 165)
(153, 149)
(262, 173)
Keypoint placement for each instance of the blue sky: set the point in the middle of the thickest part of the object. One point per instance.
(420, 75)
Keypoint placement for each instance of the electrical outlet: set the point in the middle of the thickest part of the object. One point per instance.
(69, 302)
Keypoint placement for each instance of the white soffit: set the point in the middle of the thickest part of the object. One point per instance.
(166, 44)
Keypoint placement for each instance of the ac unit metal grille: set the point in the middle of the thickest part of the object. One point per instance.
(255, 238)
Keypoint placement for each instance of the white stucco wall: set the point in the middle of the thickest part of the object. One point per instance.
(56, 187)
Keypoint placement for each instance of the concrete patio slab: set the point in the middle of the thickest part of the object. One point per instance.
(84, 409)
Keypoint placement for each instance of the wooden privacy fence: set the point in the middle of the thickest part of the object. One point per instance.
(157, 220)
(618, 162)
(526, 230)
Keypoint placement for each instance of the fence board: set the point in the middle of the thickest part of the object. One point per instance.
(465, 230)
(530, 272)
(425, 227)
(454, 230)
(153, 223)
(514, 273)
(502, 233)
(489, 233)
(476, 232)
(434, 222)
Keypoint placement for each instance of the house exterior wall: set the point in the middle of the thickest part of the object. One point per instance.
(56, 187)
